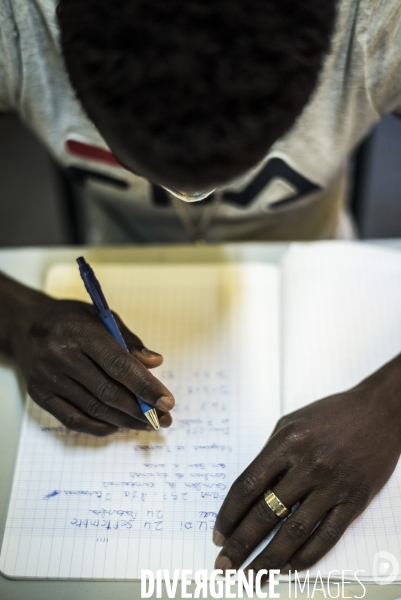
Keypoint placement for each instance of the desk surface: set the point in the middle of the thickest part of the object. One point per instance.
(29, 266)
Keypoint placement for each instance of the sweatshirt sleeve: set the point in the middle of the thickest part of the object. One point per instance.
(9, 59)
(383, 55)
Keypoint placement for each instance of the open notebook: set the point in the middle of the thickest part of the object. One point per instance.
(243, 344)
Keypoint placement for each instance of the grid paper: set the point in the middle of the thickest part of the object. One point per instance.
(88, 508)
(342, 321)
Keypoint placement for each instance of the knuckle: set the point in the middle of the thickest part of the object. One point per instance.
(329, 535)
(325, 458)
(246, 485)
(74, 421)
(71, 328)
(282, 422)
(264, 513)
(297, 529)
(118, 366)
(360, 497)
(57, 351)
(64, 354)
(340, 480)
(239, 545)
(107, 392)
(143, 387)
(96, 409)
(300, 432)
(294, 433)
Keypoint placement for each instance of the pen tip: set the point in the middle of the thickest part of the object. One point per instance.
(151, 416)
(81, 261)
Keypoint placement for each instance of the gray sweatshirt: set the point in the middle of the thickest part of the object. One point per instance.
(297, 192)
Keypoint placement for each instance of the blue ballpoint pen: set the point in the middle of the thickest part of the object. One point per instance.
(100, 303)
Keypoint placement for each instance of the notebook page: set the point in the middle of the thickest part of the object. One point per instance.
(92, 508)
(342, 321)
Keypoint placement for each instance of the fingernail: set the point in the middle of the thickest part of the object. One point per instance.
(286, 569)
(218, 538)
(149, 353)
(165, 403)
(223, 563)
(165, 420)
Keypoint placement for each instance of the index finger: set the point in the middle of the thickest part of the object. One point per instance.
(247, 489)
(128, 370)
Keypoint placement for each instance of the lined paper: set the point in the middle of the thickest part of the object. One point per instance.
(342, 321)
(90, 508)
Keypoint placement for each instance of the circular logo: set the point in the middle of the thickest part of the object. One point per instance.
(385, 568)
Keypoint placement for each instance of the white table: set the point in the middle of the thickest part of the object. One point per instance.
(29, 266)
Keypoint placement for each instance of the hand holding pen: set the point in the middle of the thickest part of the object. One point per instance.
(100, 303)
(76, 370)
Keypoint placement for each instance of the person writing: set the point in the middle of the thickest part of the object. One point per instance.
(230, 120)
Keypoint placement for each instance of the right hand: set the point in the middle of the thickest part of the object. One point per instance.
(79, 373)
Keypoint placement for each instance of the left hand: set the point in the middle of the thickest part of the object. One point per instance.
(332, 456)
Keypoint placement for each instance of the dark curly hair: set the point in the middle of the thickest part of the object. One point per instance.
(202, 88)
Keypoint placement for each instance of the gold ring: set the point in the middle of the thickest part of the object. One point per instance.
(276, 505)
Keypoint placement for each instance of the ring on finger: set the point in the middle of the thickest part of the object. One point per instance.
(275, 504)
